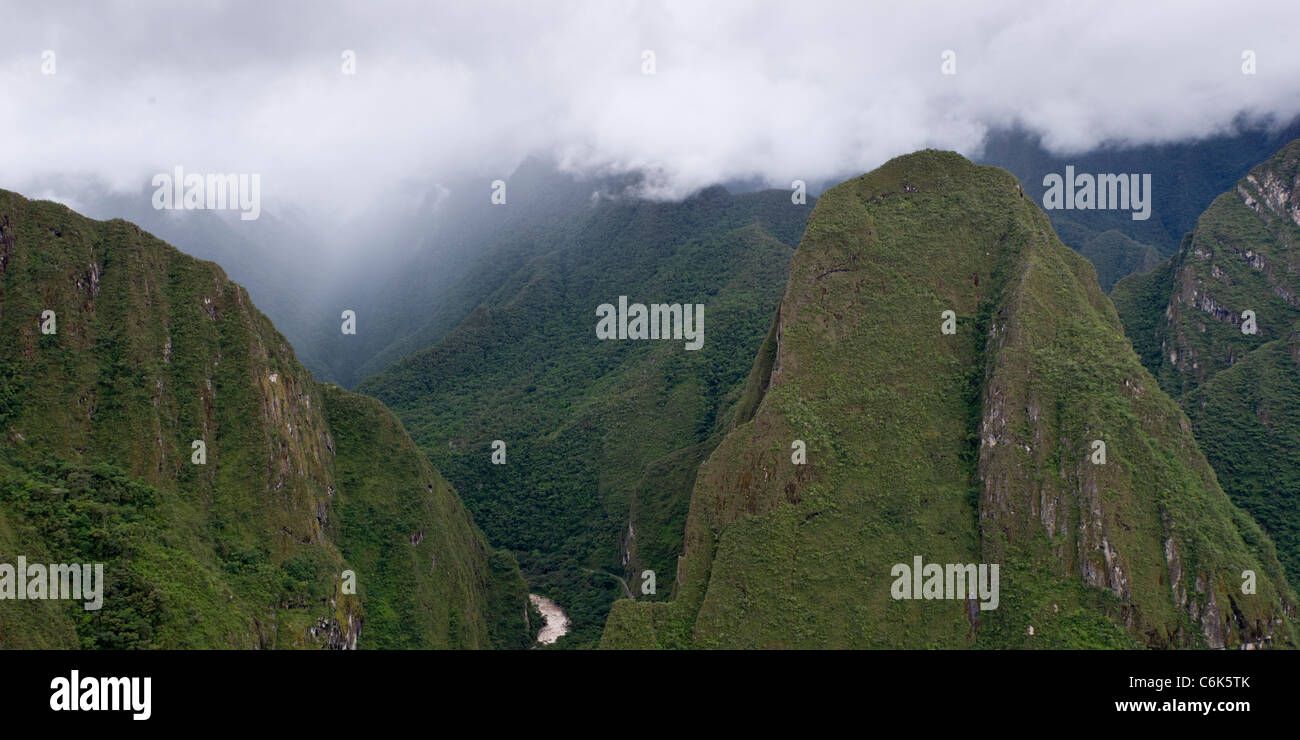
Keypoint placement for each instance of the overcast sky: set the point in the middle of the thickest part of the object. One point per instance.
(774, 90)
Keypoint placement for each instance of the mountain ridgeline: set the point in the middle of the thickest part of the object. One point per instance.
(973, 447)
(601, 438)
(1218, 324)
(153, 420)
(1186, 176)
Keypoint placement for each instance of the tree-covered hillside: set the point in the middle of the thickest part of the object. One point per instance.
(1186, 176)
(153, 420)
(602, 438)
(975, 446)
(1216, 325)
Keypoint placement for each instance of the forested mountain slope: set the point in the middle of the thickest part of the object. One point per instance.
(972, 447)
(149, 351)
(1216, 324)
(602, 437)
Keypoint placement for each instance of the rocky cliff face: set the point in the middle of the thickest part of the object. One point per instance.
(973, 447)
(1191, 320)
(252, 488)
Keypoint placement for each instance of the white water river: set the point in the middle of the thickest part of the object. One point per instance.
(557, 622)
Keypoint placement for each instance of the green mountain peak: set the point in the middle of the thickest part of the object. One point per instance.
(155, 421)
(977, 447)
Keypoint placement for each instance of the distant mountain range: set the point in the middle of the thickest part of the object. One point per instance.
(913, 371)
(1186, 176)
(413, 269)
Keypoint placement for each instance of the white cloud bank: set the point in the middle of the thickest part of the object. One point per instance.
(773, 90)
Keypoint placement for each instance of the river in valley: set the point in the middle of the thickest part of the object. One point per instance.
(557, 622)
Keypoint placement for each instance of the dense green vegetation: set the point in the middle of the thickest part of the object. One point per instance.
(1115, 256)
(626, 456)
(603, 438)
(1185, 177)
(153, 350)
(1240, 390)
(965, 448)
(1247, 419)
(88, 514)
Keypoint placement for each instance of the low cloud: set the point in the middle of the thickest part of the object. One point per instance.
(773, 91)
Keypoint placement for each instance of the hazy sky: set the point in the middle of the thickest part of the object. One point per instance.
(775, 90)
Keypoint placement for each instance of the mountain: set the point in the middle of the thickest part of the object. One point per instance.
(1114, 256)
(473, 247)
(278, 257)
(974, 448)
(247, 541)
(1247, 419)
(601, 438)
(399, 264)
(1188, 321)
(1185, 177)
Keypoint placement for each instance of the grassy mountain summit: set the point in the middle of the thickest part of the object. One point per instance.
(246, 546)
(602, 438)
(973, 447)
(1241, 390)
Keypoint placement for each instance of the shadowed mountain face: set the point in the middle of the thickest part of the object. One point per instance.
(156, 422)
(1185, 176)
(973, 447)
(1217, 325)
(602, 437)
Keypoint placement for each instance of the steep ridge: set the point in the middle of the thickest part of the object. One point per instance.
(1244, 255)
(1247, 419)
(1188, 321)
(153, 350)
(472, 250)
(1186, 177)
(602, 437)
(966, 448)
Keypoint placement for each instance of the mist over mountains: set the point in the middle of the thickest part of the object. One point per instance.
(377, 142)
(651, 326)
(747, 91)
(403, 266)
